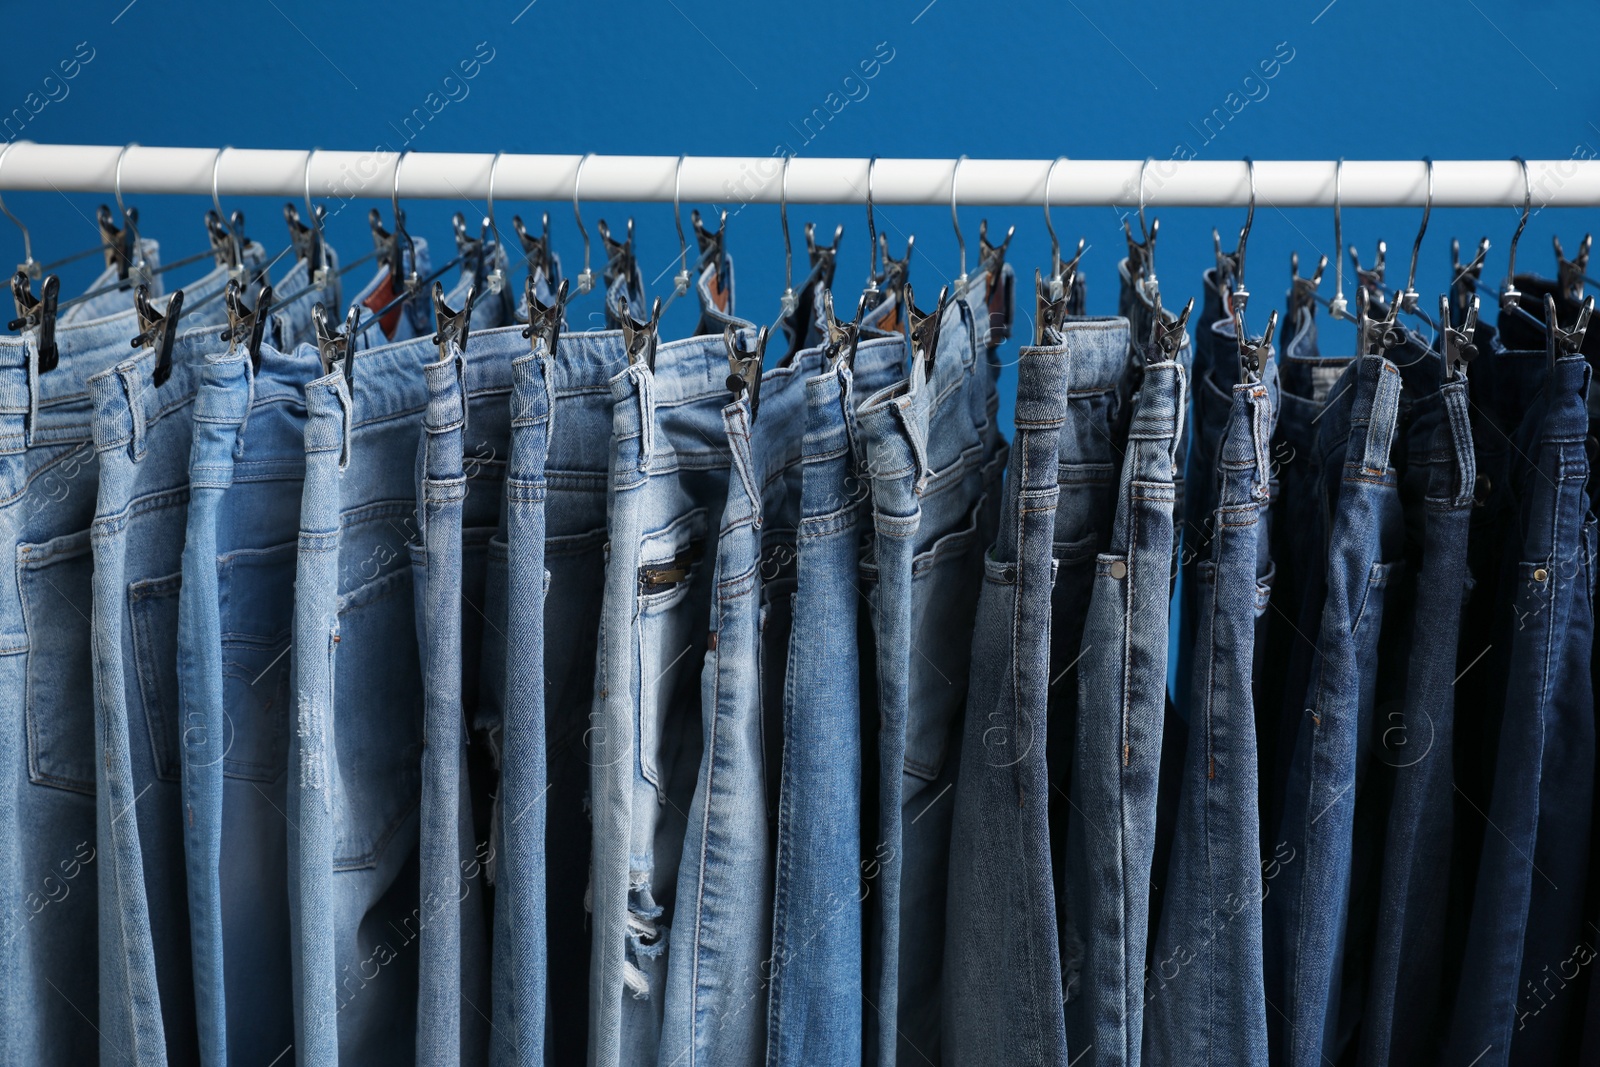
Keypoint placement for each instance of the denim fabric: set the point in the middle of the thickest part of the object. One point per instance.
(932, 460)
(291, 322)
(1512, 1005)
(1306, 890)
(143, 435)
(412, 319)
(1205, 1002)
(461, 472)
(716, 1000)
(668, 486)
(1092, 442)
(1307, 382)
(510, 715)
(814, 1007)
(1002, 993)
(49, 951)
(235, 612)
(1117, 750)
(357, 749)
(1406, 1001)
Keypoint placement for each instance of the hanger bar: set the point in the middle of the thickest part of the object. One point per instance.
(724, 179)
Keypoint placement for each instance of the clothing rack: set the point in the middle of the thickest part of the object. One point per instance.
(382, 172)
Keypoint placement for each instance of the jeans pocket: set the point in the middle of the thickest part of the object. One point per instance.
(55, 578)
(153, 616)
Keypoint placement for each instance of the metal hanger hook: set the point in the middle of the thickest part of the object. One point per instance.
(394, 204)
(1527, 205)
(680, 284)
(216, 202)
(127, 222)
(1337, 306)
(1055, 245)
(789, 301)
(586, 279)
(1249, 218)
(1144, 231)
(872, 230)
(955, 221)
(493, 228)
(1416, 246)
(28, 265)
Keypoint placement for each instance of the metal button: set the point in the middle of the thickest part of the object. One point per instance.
(1119, 570)
(1540, 574)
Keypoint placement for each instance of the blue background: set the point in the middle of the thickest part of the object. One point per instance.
(1474, 79)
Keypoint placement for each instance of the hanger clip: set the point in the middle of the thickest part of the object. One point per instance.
(119, 244)
(620, 259)
(451, 326)
(1064, 279)
(333, 343)
(307, 242)
(227, 242)
(1370, 278)
(244, 323)
(923, 329)
(1377, 336)
(536, 248)
(712, 244)
(1569, 273)
(1303, 291)
(824, 259)
(1051, 310)
(390, 250)
(1464, 278)
(38, 313)
(639, 338)
(1167, 334)
(744, 368)
(545, 320)
(842, 337)
(157, 331)
(1564, 341)
(1456, 342)
(1253, 353)
(475, 254)
(1142, 252)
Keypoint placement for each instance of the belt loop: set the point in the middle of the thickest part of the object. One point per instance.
(32, 348)
(547, 379)
(1462, 450)
(1261, 434)
(1380, 426)
(644, 384)
(249, 403)
(347, 406)
(133, 379)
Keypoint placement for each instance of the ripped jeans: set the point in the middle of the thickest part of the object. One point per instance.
(669, 482)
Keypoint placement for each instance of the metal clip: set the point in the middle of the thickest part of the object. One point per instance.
(1051, 310)
(843, 337)
(823, 258)
(923, 328)
(1569, 273)
(545, 320)
(157, 331)
(451, 326)
(1464, 278)
(307, 242)
(744, 368)
(119, 245)
(1166, 338)
(1303, 291)
(333, 343)
(1456, 345)
(536, 248)
(639, 339)
(1562, 340)
(1373, 278)
(38, 313)
(712, 244)
(620, 260)
(244, 323)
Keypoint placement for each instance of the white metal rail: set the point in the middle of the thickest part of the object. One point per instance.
(721, 179)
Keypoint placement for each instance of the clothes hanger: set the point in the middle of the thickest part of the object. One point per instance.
(1510, 296)
(1466, 295)
(478, 255)
(1565, 341)
(450, 327)
(319, 279)
(1570, 274)
(1064, 276)
(307, 240)
(545, 320)
(333, 343)
(1252, 353)
(842, 337)
(389, 251)
(680, 280)
(1142, 253)
(1456, 343)
(922, 329)
(34, 312)
(228, 245)
(495, 280)
(744, 366)
(586, 277)
(889, 280)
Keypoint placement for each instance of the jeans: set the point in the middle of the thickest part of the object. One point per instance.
(119, 300)
(461, 475)
(1117, 751)
(49, 471)
(1310, 866)
(405, 321)
(716, 1009)
(1204, 998)
(235, 613)
(1526, 914)
(814, 999)
(1406, 1001)
(933, 461)
(356, 752)
(1002, 995)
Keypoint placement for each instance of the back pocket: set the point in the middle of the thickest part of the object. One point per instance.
(56, 580)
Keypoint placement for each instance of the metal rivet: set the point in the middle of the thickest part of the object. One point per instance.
(1540, 574)
(1119, 570)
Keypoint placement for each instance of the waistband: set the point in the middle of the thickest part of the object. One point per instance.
(116, 300)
